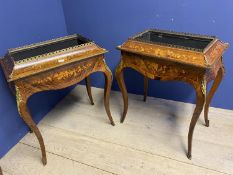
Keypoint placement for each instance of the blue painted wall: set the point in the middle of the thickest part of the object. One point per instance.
(25, 22)
(109, 23)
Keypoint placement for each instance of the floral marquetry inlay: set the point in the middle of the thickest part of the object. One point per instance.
(179, 55)
(153, 70)
(64, 75)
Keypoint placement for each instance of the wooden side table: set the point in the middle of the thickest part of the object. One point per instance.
(166, 55)
(53, 65)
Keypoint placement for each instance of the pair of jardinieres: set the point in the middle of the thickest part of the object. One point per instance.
(154, 53)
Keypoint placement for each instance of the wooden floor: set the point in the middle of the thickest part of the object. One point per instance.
(153, 140)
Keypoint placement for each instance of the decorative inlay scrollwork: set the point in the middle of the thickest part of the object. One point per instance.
(173, 54)
(62, 75)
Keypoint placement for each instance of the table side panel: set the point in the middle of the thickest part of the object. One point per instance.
(213, 70)
(215, 52)
(165, 52)
(60, 77)
(165, 70)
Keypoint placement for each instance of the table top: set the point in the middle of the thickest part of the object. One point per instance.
(190, 49)
(174, 39)
(48, 47)
(35, 58)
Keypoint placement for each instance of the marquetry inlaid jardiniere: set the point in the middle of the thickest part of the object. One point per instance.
(165, 55)
(52, 65)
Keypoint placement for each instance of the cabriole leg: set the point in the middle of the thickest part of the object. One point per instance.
(21, 99)
(213, 89)
(108, 83)
(200, 100)
(88, 86)
(121, 84)
(145, 87)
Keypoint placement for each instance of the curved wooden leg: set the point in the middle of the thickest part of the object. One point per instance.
(108, 83)
(88, 86)
(213, 89)
(121, 84)
(0, 171)
(30, 130)
(145, 87)
(200, 100)
(24, 113)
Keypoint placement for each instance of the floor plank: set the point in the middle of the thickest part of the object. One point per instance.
(25, 160)
(5, 173)
(153, 139)
(110, 157)
(160, 130)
